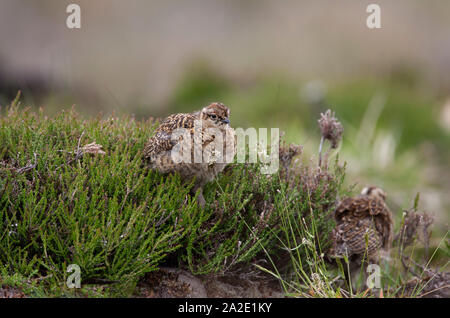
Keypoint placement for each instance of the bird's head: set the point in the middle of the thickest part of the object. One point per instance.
(215, 115)
(374, 192)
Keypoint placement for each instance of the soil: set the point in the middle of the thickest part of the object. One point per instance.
(179, 283)
(11, 292)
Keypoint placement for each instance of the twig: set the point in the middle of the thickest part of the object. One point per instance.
(42, 278)
(29, 167)
(78, 153)
(320, 150)
(408, 268)
(163, 219)
(432, 291)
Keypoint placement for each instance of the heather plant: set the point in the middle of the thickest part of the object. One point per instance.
(75, 191)
(69, 206)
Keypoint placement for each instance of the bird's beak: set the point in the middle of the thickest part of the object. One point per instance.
(226, 121)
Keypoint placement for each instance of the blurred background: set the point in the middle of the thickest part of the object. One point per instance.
(274, 63)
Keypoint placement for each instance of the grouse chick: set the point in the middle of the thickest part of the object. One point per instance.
(196, 145)
(364, 226)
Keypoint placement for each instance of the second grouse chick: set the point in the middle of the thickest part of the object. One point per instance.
(202, 144)
(364, 226)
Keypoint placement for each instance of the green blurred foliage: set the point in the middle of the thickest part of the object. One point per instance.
(117, 220)
(275, 101)
(391, 138)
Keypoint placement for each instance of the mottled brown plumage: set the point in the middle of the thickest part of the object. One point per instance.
(205, 144)
(364, 226)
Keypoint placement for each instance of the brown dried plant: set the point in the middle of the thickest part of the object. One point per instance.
(331, 130)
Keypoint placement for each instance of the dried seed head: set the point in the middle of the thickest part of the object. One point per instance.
(331, 128)
(416, 225)
(93, 148)
(286, 154)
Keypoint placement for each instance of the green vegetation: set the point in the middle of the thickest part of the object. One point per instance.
(107, 213)
(392, 136)
(407, 110)
(118, 221)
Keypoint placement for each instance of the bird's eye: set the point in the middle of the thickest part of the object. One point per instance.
(213, 116)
